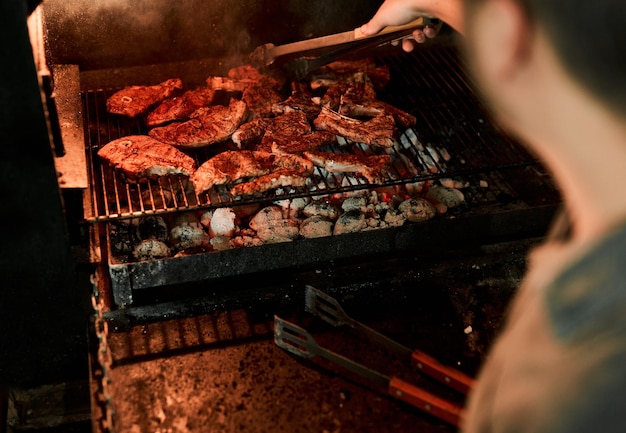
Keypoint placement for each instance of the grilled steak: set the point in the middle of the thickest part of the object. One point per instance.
(260, 100)
(358, 86)
(208, 125)
(180, 107)
(135, 100)
(141, 157)
(250, 133)
(300, 100)
(291, 124)
(372, 108)
(302, 143)
(228, 167)
(372, 167)
(273, 180)
(259, 91)
(341, 70)
(379, 131)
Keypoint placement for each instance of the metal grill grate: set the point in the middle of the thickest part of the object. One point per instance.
(453, 137)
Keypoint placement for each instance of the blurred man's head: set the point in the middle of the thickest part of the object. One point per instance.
(587, 39)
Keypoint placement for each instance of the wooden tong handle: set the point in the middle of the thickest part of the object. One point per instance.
(455, 379)
(425, 401)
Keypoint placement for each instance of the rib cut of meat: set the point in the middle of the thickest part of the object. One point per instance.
(135, 100)
(378, 131)
(235, 165)
(371, 167)
(302, 143)
(180, 107)
(340, 70)
(228, 167)
(300, 100)
(273, 180)
(259, 91)
(251, 133)
(260, 100)
(290, 124)
(207, 125)
(372, 108)
(358, 86)
(141, 157)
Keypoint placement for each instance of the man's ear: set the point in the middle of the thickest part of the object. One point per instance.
(509, 38)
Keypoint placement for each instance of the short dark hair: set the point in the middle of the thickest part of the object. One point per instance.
(590, 39)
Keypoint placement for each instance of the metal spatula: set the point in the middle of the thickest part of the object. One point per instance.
(296, 340)
(328, 309)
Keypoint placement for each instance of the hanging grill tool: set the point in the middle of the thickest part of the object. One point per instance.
(298, 341)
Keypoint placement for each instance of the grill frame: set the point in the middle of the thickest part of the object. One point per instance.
(519, 201)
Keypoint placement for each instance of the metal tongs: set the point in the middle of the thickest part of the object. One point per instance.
(296, 340)
(349, 42)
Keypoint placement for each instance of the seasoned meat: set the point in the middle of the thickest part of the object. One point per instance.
(151, 249)
(140, 157)
(291, 124)
(341, 70)
(180, 107)
(358, 87)
(378, 131)
(250, 133)
(300, 100)
(228, 167)
(372, 108)
(250, 74)
(135, 100)
(303, 143)
(260, 91)
(273, 180)
(260, 100)
(287, 133)
(373, 167)
(208, 125)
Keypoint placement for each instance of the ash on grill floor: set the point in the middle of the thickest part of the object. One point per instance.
(222, 371)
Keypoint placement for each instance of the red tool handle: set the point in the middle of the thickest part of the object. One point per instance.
(450, 376)
(429, 403)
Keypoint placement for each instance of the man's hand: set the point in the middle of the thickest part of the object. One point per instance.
(399, 12)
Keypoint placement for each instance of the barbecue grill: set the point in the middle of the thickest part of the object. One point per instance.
(207, 308)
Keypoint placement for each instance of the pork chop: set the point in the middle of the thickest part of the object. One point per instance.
(228, 167)
(378, 131)
(180, 107)
(141, 157)
(207, 126)
(135, 100)
(273, 180)
(371, 167)
(299, 100)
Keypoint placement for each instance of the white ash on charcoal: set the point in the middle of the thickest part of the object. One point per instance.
(272, 227)
(449, 197)
(322, 209)
(316, 226)
(187, 232)
(417, 209)
(252, 225)
(151, 249)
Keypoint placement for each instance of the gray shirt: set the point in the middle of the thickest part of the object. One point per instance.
(559, 365)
